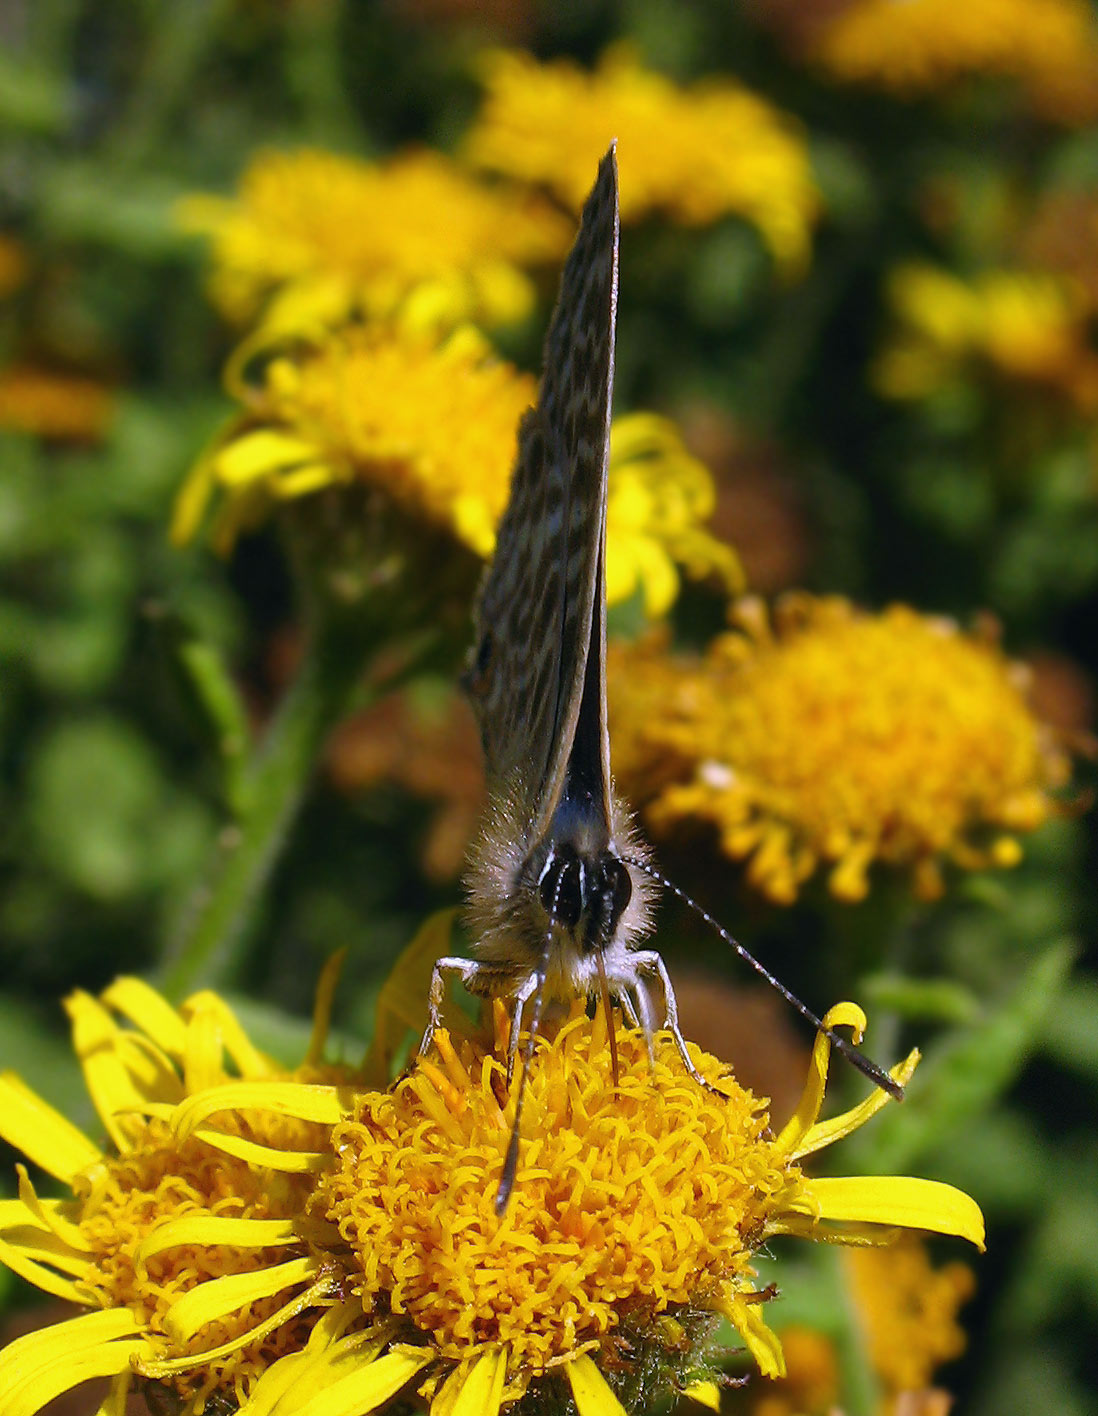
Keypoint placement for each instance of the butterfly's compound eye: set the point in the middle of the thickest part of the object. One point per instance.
(620, 883)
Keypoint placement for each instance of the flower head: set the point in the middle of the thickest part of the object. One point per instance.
(350, 411)
(908, 1310)
(1028, 328)
(1049, 46)
(149, 1215)
(693, 154)
(330, 235)
(635, 1216)
(835, 737)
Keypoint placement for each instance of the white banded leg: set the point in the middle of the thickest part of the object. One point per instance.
(451, 967)
(652, 962)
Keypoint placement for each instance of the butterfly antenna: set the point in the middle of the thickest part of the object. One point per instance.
(510, 1164)
(853, 1055)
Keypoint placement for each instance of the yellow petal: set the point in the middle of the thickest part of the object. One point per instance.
(482, 1389)
(95, 1039)
(902, 1200)
(205, 1229)
(592, 1394)
(253, 456)
(327, 1105)
(402, 1000)
(367, 1388)
(114, 1403)
(249, 1060)
(149, 1011)
(170, 1366)
(288, 1162)
(219, 1296)
(704, 1393)
(294, 1379)
(17, 1258)
(273, 1384)
(322, 1005)
(808, 1108)
(759, 1338)
(43, 1135)
(48, 1214)
(41, 1364)
(826, 1133)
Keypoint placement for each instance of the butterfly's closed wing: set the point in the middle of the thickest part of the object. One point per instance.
(542, 605)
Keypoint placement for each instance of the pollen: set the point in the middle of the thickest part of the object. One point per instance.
(628, 1201)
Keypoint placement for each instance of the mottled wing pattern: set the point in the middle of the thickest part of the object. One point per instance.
(541, 606)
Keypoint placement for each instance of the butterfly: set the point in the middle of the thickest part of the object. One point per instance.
(561, 884)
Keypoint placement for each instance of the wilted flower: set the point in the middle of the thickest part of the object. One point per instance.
(151, 1215)
(431, 424)
(692, 154)
(831, 737)
(1050, 47)
(332, 235)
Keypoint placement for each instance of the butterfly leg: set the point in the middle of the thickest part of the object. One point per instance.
(650, 961)
(453, 967)
(642, 1015)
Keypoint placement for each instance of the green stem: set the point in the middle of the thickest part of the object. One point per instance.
(208, 948)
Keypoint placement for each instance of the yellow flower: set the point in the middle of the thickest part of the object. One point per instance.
(51, 405)
(693, 154)
(432, 424)
(330, 235)
(835, 737)
(908, 1311)
(1049, 46)
(149, 1215)
(1027, 327)
(635, 1216)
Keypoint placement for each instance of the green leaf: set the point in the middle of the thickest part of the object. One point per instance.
(964, 1074)
(922, 999)
(1071, 1035)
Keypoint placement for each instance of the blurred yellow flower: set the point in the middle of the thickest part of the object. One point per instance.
(905, 1312)
(908, 1309)
(329, 236)
(151, 1215)
(692, 154)
(58, 407)
(832, 737)
(1049, 46)
(636, 1213)
(432, 424)
(1027, 327)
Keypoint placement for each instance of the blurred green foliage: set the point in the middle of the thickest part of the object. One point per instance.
(123, 733)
